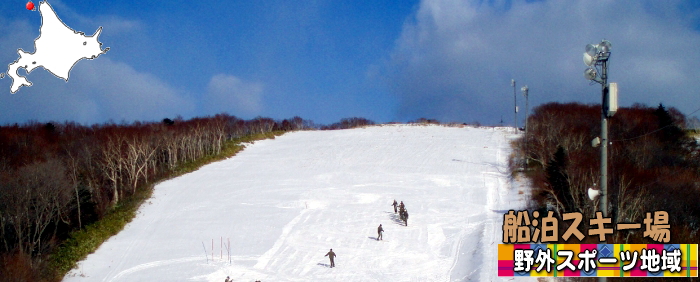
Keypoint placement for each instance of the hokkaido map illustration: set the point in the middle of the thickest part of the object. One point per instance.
(57, 49)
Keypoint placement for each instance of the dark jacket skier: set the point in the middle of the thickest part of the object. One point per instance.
(379, 232)
(331, 255)
(405, 216)
(394, 204)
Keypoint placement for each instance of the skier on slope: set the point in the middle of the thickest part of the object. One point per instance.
(331, 255)
(405, 216)
(394, 204)
(380, 230)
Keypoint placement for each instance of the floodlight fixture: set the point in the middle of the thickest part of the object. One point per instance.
(590, 74)
(593, 194)
(588, 59)
(604, 46)
(592, 50)
(597, 52)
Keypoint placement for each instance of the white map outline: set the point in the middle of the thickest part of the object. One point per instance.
(57, 49)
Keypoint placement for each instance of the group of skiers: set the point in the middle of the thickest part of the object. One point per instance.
(403, 215)
(403, 212)
(399, 208)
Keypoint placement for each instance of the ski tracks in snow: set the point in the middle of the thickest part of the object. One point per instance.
(285, 202)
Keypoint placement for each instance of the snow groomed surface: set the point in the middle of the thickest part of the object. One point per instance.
(283, 203)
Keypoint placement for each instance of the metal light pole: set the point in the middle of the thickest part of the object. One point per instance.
(527, 114)
(515, 106)
(598, 55)
(604, 140)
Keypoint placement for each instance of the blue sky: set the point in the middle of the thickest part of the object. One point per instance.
(393, 60)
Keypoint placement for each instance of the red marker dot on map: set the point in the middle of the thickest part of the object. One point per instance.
(30, 5)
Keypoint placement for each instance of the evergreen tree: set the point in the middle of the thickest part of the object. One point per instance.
(670, 132)
(559, 180)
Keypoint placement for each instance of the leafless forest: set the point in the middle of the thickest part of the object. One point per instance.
(57, 178)
(653, 164)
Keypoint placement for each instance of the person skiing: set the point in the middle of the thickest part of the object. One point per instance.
(379, 232)
(405, 216)
(394, 204)
(401, 206)
(331, 255)
(228, 279)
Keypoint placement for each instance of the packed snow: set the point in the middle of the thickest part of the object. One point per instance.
(283, 203)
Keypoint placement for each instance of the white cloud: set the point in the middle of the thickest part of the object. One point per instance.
(227, 93)
(454, 59)
(98, 90)
(114, 23)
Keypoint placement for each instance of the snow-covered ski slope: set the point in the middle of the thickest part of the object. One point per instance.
(284, 203)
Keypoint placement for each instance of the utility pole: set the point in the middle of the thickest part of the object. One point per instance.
(515, 106)
(598, 55)
(604, 141)
(525, 90)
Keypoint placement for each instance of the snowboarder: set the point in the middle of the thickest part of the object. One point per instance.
(379, 232)
(405, 216)
(394, 204)
(331, 255)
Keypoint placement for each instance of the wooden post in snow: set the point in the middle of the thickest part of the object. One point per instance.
(205, 252)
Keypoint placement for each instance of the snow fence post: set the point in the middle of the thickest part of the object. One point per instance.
(205, 252)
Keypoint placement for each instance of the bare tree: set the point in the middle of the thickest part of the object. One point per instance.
(72, 166)
(139, 152)
(112, 164)
(37, 200)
